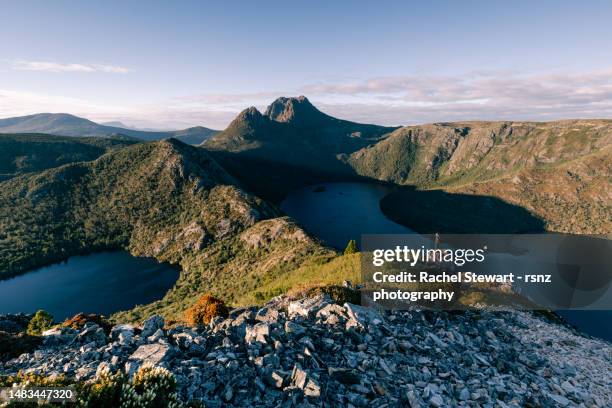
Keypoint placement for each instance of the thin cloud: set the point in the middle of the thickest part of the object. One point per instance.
(160, 115)
(405, 100)
(478, 95)
(56, 67)
(19, 103)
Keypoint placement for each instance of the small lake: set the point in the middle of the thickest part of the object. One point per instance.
(102, 283)
(339, 212)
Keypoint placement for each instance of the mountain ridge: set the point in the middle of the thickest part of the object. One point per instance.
(25, 153)
(548, 168)
(129, 183)
(65, 124)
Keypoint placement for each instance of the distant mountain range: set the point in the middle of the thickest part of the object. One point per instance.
(63, 124)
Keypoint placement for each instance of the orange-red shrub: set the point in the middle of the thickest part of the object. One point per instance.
(205, 309)
(78, 321)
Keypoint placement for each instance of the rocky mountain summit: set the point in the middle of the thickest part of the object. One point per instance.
(291, 109)
(313, 352)
(292, 144)
(291, 128)
(300, 111)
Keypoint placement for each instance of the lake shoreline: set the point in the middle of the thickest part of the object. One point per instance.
(306, 203)
(101, 282)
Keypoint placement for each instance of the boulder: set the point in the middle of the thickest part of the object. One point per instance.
(151, 354)
(300, 379)
(362, 316)
(59, 336)
(307, 306)
(158, 335)
(257, 333)
(126, 329)
(294, 328)
(151, 325)
(92, 333)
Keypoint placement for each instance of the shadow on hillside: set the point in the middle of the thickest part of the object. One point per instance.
(272, 181)
(422, 211)
(434, 211)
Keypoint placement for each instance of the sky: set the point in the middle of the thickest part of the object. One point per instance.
(162, 65)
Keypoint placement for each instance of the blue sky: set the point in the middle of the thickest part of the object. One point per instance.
(182, 63)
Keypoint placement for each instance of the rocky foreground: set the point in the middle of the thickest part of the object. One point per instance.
(315, 352)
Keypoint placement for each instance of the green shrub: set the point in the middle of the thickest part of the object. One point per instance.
(105, 392)
(33, 379)
(40, 322)
(151, 387)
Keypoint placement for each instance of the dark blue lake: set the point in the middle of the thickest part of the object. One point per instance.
(338, 212)
(103, 283)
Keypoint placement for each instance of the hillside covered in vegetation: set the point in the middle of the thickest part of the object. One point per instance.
(551, 169)
(26, 153)
(165, 200)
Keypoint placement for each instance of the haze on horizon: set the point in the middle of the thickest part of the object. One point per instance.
(175, 65)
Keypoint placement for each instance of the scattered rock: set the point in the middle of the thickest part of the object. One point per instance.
(294, 328)
(275, 379)
(560, 400)
(92, 333)
(59, 336)
(314, 352)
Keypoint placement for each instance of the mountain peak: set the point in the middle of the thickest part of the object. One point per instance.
(53, 123)
(250, 117)
(46, 116)
(291, 110)
(250, 113)
(247, 120)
